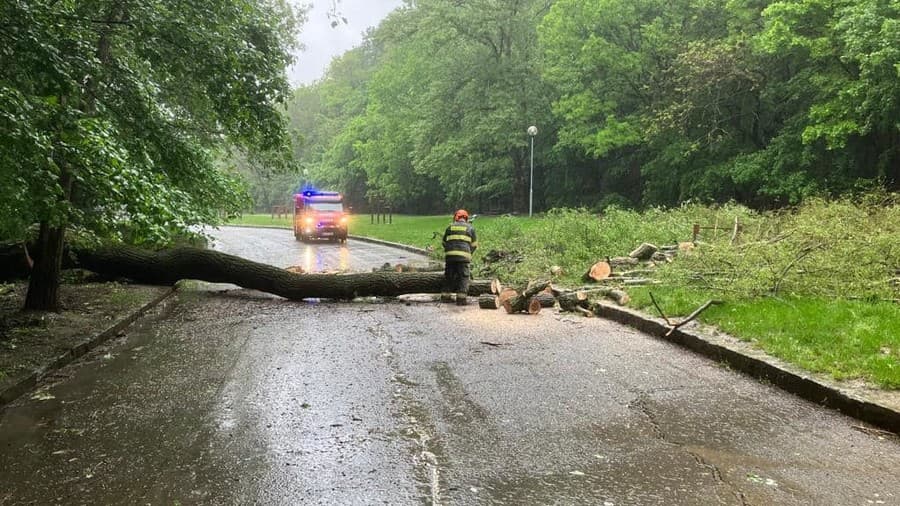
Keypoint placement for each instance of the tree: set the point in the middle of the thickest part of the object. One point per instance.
(847, 56)
(435, 109)
(111, 110)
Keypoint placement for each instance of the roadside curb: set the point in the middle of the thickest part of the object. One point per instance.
(411, 249)
(741, 356)
(28, 382)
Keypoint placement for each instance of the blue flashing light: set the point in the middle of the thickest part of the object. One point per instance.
(317, 193)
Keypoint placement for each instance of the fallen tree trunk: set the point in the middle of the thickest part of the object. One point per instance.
(169, 266)
(15, 262)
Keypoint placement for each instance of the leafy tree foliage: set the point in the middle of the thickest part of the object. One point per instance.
(111, 111)
(436, 114)
(639, 102)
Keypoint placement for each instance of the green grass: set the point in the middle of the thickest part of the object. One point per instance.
(262, 220)
(802, 322)
(415, 231)
(846, 339)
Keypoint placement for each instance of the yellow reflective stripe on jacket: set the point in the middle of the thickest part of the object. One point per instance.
(464, 254)
(457, 237)
(459, 228)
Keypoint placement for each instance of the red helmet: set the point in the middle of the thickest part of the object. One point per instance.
(461, 215)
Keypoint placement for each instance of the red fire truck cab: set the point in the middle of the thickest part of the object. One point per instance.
(319, 215)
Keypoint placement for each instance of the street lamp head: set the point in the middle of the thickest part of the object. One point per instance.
(532, 130)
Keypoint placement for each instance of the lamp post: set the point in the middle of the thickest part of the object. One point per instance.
(532, 131)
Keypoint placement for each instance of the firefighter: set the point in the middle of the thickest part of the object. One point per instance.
(459, 244)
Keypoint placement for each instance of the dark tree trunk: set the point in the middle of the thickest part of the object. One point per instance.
(43, 285)
(169, 266)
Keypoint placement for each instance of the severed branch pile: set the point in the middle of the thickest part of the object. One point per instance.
(542, 294)
(636, 268)
(616, 273)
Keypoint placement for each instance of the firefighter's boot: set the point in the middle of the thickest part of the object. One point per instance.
(461, 299)
(446, 297)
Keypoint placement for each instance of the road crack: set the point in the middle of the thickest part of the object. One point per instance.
(640, 404)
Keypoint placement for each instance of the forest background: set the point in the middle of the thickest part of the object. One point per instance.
(638, 103)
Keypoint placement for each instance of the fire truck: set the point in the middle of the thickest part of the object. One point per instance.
(319, 215)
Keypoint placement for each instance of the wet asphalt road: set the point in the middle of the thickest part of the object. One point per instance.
(236, 397)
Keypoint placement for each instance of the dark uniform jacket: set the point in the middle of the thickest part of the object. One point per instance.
(459, 242)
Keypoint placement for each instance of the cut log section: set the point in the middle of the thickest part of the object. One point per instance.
(622, 261)
(598, 271)
(534, 306)
(644, 251)
(170, 266)
(620, 297)
(569, 301)
(545, 299)
(520, 303)
(496, 286)
(489, 301)
(506, 294)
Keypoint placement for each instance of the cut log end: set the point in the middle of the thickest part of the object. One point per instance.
(534, 306)
(506, 294)
(598, 271)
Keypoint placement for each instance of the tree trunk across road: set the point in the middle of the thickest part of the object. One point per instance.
(169, 266)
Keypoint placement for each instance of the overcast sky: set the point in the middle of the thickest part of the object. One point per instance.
(324, 42)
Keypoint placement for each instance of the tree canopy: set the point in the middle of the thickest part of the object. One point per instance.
(111, 112)
(638, 102)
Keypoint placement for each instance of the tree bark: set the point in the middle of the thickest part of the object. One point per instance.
(14, 261)
(43, 284)
(644, 251)
(488, 301)
(569, 301)
(520, 303)
(545, 299)
(169, 266)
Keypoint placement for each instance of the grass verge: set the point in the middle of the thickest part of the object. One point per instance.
(846, 339)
